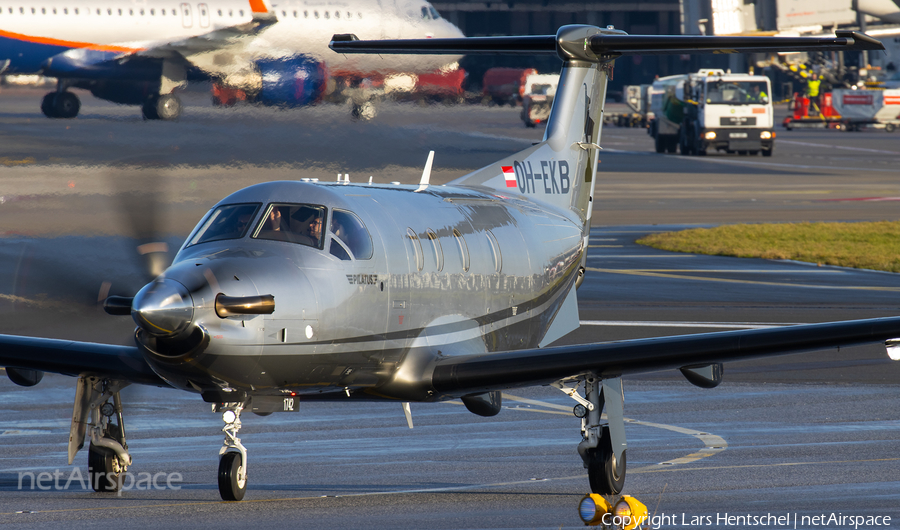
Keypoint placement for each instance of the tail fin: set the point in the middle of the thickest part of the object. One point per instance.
(562, 168)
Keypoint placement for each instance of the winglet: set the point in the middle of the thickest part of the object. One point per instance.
(262, 10)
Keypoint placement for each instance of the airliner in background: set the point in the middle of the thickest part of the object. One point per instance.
(140, 52)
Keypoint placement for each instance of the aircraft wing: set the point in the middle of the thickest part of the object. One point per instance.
(497, 371)
(212, 41)
(77, 358)
(143, 64)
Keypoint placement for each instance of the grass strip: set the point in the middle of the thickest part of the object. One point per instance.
(871, 245)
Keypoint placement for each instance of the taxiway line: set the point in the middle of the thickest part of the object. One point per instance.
(632, 272)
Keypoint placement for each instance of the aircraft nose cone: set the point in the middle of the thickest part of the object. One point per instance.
(163, 308)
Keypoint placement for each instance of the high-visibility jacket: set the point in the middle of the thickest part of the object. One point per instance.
(812, 87)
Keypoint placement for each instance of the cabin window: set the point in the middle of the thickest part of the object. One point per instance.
(98, 11)
(43, 10)
(495, 251)
(152, 12)
(437, 251)
(220, 12)
(225, 222)
(294, 223)
(76, 10)
(316, 14)
(241, 12)
(327, 15)
(306, 14)
(416, 248)
(463, 250)
(350, 230)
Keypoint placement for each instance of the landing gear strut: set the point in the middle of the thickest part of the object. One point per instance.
(97, 404)
(603, 447)
(232, 456)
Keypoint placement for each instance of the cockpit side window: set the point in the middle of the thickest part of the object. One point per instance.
(230, 221)
(294, 223)
(350, 230)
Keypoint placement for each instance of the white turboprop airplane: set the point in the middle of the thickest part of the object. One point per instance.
(138, 53)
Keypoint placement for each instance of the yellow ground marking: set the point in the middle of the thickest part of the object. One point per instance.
(632, 272)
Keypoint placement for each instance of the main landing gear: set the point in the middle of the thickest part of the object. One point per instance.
(98, 412)
(603, 446)
(233, 455)
(165, 107)
(60, 104)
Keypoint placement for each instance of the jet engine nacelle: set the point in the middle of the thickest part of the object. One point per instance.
(291, 82)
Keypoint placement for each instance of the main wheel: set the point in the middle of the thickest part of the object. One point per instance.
(47, 105)
(65, 105)
(168, 107)
(104, 469)
(232, 477)
(606, 475)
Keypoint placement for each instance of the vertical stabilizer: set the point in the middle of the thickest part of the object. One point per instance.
(561, 170)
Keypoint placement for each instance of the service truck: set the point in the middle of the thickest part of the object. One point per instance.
(711, 109)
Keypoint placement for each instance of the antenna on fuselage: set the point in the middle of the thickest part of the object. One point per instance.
(426, 173)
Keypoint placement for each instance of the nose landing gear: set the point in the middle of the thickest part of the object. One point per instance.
(233, 455)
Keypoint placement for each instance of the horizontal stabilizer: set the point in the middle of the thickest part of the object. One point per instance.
(607, 46)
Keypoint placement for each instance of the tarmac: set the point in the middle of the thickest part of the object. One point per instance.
(795, 436)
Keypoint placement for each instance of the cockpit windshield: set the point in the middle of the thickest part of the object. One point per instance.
(225, 222)
(294, 223)
(736, 92)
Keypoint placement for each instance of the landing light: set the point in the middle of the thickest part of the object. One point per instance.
(711, 135)
(631, 512)
(592, 508)
(229, 416)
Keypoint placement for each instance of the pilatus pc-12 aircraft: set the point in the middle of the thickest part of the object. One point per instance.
(140, 53)
(294, 291)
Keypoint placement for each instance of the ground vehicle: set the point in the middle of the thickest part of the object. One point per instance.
(712, 110)
(505, 85)
(538, 98)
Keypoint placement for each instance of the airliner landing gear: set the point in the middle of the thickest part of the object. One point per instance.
(232, 456)
(163, 107)
(60, 105)
(603, 447)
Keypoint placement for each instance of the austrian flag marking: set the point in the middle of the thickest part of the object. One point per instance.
(510, 175)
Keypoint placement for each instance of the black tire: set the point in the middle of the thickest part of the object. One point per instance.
(47, 105)
(768, 152)
(232, 479)
(103, 469)
(606, 476)
(671, 144)
(66, 105)
(659, 145)
(148, 110)
(890, 127)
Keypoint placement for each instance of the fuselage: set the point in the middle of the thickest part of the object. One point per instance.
(448, 270)
(32, 32)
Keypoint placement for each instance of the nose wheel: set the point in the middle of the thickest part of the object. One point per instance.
(232, 477)
(232, 456)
